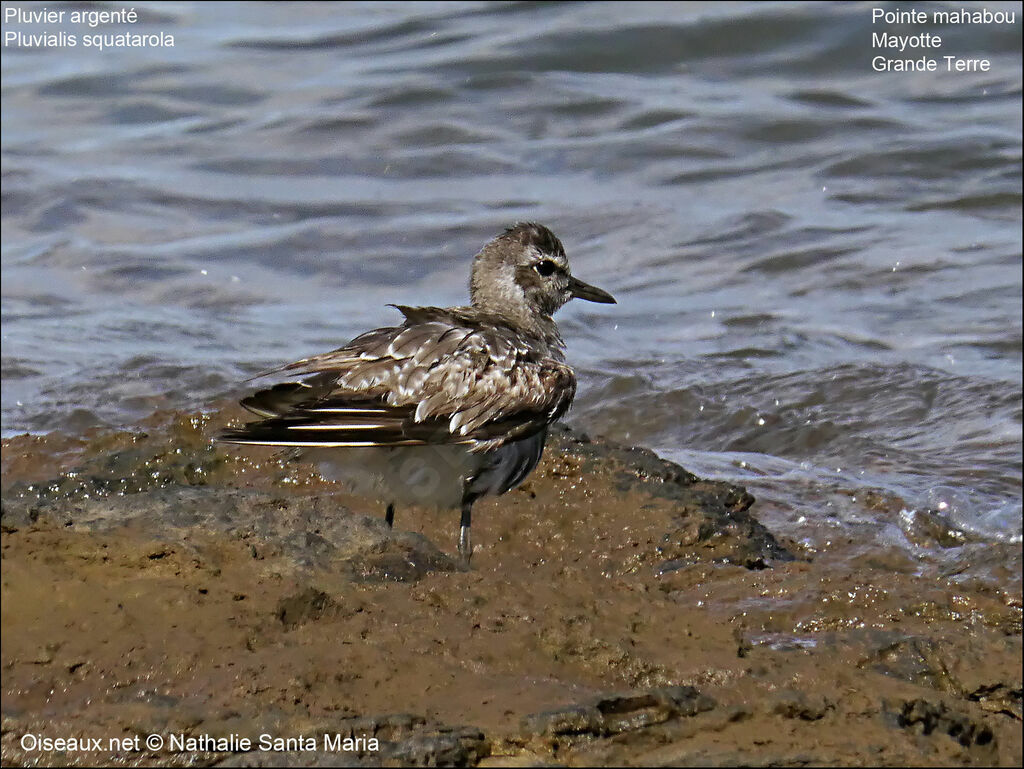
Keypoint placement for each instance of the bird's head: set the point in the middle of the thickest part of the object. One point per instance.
(524, 273)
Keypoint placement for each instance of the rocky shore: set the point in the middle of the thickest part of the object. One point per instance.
(618, 610)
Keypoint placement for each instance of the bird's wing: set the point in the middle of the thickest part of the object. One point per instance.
(436, 379)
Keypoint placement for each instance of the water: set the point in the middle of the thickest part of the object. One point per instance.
(818, 265)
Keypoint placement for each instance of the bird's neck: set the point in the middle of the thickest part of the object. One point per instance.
(540, 326)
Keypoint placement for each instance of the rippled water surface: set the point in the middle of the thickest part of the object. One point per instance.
(818, 266)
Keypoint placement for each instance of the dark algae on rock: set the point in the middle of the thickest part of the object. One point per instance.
(619, 610)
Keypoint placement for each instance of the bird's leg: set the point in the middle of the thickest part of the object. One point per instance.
(465, 545)
(389, 515)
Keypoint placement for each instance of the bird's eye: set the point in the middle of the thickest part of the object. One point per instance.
(545, 268)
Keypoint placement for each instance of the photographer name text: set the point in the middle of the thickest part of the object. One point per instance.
(202, 743)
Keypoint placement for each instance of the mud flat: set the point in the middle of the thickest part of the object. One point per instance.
(619, 610)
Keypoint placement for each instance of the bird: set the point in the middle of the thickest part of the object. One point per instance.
(450, 405)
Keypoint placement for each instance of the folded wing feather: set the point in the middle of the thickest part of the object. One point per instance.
(439, 378)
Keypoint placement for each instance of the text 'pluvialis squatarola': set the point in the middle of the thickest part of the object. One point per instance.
(451, 405)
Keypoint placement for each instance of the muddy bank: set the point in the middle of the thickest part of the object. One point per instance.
(619, 610)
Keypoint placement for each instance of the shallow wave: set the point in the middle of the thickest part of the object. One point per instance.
(905, 431)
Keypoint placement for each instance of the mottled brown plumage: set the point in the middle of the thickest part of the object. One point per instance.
(488, 378)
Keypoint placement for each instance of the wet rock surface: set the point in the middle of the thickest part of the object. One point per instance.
(618, 610)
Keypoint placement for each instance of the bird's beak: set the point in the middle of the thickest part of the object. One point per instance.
(582, 290)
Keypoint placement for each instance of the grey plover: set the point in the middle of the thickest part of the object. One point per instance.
(452, 404)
